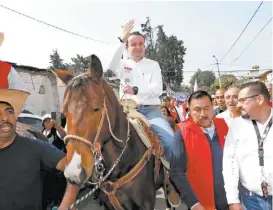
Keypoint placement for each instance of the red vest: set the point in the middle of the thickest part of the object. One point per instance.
(199, 161)
(4, 73)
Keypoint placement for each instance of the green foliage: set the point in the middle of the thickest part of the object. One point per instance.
(226, 81)
(56, 61)
(167, 51)
(79, 64)
(204, 79)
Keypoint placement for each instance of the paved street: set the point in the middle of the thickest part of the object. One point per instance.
(91, 204)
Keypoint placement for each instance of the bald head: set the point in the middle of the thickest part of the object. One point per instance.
(220, 98)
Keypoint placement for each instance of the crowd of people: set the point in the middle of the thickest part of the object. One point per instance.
(219, 146)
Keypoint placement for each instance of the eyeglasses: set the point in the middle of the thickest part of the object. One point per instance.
(242, 100)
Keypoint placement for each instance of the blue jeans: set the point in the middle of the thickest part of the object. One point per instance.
(252, 201)
(160, 126)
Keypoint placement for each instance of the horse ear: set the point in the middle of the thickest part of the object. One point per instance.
(64, 76)
(95, 67)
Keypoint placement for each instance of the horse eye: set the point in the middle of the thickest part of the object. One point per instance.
(97, 109)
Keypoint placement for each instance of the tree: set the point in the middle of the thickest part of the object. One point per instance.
(204, 79)
(111, 78)
(168, 51)
(226, 81)
(79, 64)
(56, 61)
(185, 89)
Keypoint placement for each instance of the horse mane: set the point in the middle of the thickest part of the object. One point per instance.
(79, 81)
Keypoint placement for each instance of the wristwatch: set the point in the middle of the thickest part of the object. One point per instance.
(135, 89)
(120, 40)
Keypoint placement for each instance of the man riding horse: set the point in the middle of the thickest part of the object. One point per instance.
(141, 80)
(105, 147)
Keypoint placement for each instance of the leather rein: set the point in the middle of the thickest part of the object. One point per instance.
(108, 187)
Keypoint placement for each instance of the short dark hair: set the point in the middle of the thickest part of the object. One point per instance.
(168, 111)
(4, 102)
(199, 94)
(257, 87)
(136, 33)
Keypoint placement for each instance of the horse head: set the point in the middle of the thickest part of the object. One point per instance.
(87, 101)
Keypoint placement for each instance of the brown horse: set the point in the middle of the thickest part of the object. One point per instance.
(104, 147)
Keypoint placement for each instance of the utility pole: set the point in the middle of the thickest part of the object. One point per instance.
(217, 63)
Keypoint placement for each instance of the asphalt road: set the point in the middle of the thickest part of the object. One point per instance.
(90, 204)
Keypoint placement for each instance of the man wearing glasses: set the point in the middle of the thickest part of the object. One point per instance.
(248, 152)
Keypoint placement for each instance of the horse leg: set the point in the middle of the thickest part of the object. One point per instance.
(148, 205)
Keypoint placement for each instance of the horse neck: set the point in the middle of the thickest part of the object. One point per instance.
(118, 120)
(112, 149)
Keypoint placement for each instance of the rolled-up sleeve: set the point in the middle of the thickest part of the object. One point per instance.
(178, 168)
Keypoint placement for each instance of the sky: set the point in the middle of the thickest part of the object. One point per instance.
(207, 28)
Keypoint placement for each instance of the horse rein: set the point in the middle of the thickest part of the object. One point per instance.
(96, 146)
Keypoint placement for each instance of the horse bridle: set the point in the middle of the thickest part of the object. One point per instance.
(96, 146)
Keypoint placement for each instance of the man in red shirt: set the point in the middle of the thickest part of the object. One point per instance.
(9, 77)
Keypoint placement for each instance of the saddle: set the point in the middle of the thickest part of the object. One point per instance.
(143, 129)
(151, 141)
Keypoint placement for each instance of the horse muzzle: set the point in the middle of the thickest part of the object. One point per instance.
(74, 172)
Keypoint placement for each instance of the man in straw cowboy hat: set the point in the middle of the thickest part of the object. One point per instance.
(9, 78)
(22, 159)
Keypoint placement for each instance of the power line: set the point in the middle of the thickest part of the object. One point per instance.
(242, 31)
(50, 25)
(233, 70)
(251, 41)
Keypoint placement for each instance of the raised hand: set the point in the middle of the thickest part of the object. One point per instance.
(126, 30)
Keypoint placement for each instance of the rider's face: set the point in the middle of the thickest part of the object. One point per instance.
(7, 122)
(136, 47)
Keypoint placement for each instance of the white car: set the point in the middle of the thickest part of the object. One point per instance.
(31, 119)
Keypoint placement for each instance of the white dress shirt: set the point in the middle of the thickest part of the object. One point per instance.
(210, 131)
(145, 74)
(241, 160)
(226, 116)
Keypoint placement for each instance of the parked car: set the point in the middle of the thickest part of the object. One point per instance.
(30, 119)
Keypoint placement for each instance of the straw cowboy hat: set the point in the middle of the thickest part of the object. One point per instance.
(1, 38)
(16, 98)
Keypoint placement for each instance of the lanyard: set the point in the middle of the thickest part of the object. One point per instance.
(261, 139)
